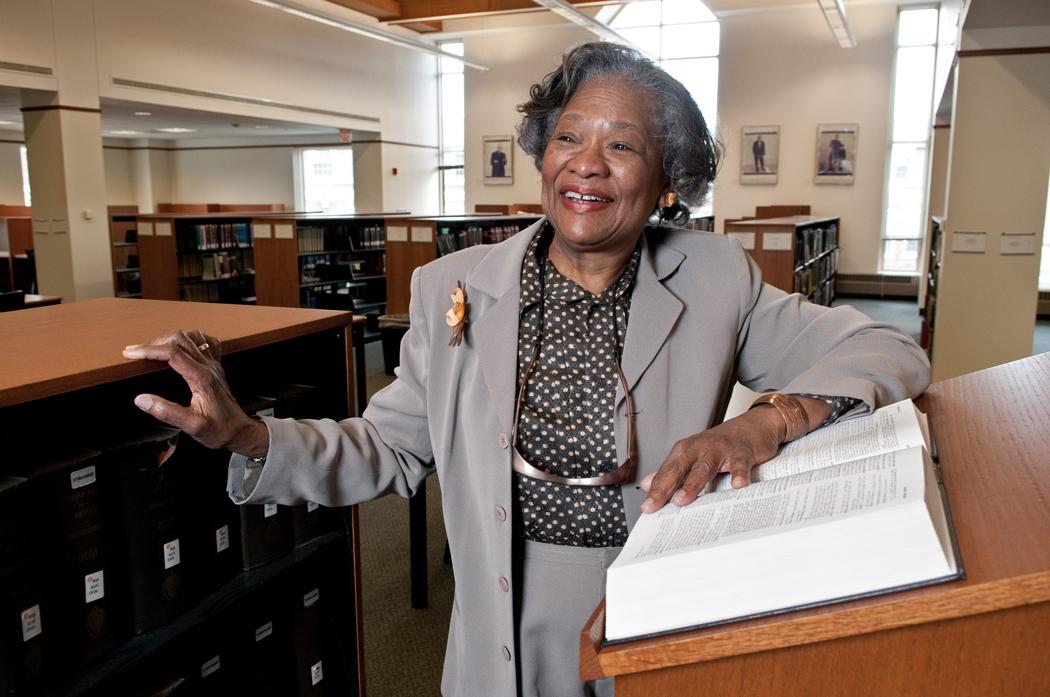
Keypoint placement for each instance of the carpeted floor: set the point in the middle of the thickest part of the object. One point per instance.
(404, 648)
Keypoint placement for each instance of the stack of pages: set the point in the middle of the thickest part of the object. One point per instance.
(854, 509)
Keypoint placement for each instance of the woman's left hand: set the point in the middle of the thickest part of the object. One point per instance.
(734, 446)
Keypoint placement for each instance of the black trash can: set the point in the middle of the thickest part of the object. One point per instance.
(392, 328)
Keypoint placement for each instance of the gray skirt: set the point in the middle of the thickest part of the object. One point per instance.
(560, 587)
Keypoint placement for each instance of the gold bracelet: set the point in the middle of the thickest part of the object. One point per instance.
(791, 410)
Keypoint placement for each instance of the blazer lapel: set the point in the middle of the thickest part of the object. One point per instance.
(654, 309)
(495, 331)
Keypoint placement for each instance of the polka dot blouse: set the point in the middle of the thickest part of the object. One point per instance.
(567, 417)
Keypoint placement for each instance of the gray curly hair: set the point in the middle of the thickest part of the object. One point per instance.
(691, 153)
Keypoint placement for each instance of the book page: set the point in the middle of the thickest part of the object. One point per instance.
(893, 427)
(780, 504)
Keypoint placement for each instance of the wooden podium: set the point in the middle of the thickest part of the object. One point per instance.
(983, 635)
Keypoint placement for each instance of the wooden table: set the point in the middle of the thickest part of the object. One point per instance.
(984, 635)
(34, 300)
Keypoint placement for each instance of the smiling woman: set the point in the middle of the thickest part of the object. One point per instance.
(594, 356)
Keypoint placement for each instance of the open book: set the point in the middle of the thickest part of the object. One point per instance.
(854, 509)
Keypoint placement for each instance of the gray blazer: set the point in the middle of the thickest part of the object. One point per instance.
(701, 319)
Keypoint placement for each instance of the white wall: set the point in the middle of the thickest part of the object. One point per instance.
(10, 171)
(119, 187)
(233, 175)
(784, 68)
(415, 186)
(516, 60)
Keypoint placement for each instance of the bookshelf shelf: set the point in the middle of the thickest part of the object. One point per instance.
(263, 349)
(323, 261)
(124, 250)
(796, 253)
(417, 240)
(933, 277)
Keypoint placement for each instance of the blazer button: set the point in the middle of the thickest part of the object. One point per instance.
(506, 653)
(504, 584)
(501, 513)
(503, 441)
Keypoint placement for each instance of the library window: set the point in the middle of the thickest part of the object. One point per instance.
(27, 194)
(326, 177)
(451, 127)
(683, 37)
(903, 222)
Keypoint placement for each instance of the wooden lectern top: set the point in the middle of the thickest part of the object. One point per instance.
(992, 430)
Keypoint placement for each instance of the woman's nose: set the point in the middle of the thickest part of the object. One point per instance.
(588, 162)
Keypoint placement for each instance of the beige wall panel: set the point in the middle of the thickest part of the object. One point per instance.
(10, 171)
(233, 175)
(119, 189)
(368, 177)
(415, 186)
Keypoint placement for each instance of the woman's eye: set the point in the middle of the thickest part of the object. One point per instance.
(621, 146)
(565, 137)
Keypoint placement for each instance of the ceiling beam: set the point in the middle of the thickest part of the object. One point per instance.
(380, 9)
(431, 10)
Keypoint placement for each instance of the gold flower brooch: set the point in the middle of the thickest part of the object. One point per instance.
(456, 317)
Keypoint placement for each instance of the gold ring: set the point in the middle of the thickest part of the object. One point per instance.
(203, 347)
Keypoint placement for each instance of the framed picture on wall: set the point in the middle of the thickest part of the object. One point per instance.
(836, 153)
(759, 154)
(497, 154)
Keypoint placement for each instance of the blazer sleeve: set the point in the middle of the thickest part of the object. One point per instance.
(387, 450)
(790, 345)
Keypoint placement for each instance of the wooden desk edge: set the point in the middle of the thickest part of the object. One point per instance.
(133, 368)
(954, 600)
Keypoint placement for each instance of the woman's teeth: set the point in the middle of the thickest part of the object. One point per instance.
(585, 197)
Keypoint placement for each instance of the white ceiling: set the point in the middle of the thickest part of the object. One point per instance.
(994, 14)
(120, 116)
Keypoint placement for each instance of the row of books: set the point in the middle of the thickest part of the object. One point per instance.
(317, 238)
(811, 241)
(215, 236)
(281, 644)
(810, 276)
(824, 294)
(449, 240)
(218, 265)
(116, 538)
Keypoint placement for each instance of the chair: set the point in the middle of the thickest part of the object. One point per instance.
(12, 300)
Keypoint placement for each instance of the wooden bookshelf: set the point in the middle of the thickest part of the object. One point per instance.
(933, 277)
(124, 249)
(322, 261)
(48, 381)
(417, 240)
(798, 253)
(198, 257)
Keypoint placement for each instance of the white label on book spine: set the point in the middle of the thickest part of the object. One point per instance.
(269, 509)
(269, 411)
(210, 666)
(316, 673)
(264, 631)
(422, 233)
(311, 598)
(396, 233)
(172, 557)
(261, 231)
(283, 232)
(776, 241)
(746, 239)
(163, 229)
(311, 506)
(94, 586)
(145, 229)
(31, 625)
(84, 477)
(222, 538)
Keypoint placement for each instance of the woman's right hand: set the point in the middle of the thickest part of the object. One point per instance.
(213, 416)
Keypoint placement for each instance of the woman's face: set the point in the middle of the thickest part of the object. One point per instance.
(603, 168)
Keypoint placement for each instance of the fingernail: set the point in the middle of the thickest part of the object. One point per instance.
(739, 482)
(647, 505)
(144, 402)
(680, 498)
(133, 352)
